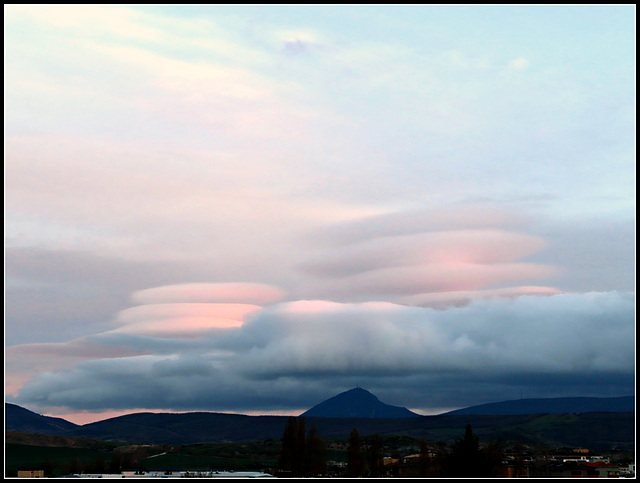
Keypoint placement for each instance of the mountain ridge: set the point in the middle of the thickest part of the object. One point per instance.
(18, 418)
(552, 406)
(592, 430)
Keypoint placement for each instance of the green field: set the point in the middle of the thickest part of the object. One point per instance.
(55, 461)
(204, 457)
(207, 462)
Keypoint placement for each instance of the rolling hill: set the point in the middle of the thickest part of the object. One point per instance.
(575, 426)
(624, 404)
(17, 418)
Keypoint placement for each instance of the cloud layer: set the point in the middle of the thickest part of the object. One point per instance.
(290, 354)
(253, 208)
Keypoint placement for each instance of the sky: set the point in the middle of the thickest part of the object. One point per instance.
(252, 209)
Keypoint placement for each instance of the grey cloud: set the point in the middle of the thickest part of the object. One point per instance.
(399, 223)
(296, 47)
(594, 253)
(478, 245)
(526, 334)
(182, 367)
(401, 281)
(287, 355)
(56, 295)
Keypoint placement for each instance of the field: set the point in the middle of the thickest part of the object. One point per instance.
(249, 456)
(55, 461)
(112, 457)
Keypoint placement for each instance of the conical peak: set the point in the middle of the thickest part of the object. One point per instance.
(358, 392)
(357, 403)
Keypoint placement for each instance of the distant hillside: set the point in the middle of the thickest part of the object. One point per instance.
(575, 405)
(185, 428)
(55, 441)
(18, 418)
(605, 430)
(357, 403)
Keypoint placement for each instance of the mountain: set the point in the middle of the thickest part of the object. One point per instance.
(357, 403)
(596, 430)
(17, 418)
(624, 404)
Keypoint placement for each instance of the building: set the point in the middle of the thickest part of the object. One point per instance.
(606, 470)
(30, 473)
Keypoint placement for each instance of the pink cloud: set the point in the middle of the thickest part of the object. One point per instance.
(442, 219)
(436, 277)
(237, 293)
(438, 247)
(179, 327)
(184, 320)
(456, 249)
(163, 311)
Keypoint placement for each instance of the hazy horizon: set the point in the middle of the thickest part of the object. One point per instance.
(236, 208)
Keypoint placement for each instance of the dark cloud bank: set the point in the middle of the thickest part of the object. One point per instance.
(291, 355)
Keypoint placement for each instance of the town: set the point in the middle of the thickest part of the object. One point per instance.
(576, 463)
(305, 454)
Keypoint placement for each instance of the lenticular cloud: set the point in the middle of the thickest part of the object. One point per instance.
(389, 258)
(249, 293)
(193, 310)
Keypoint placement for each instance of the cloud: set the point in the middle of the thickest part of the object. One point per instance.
(441, 300)
(448, 217)
(163, 153)
(397, 255)
(25, 361)
(519, 64)
(89, 19)
(437, 277)
(250, 293)
(480, 246)
(181, 320)
(485, 337)
(479, 352)
(195, 309)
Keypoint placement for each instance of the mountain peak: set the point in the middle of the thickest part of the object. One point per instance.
(357, 403)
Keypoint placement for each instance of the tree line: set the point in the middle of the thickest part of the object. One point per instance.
(303, 454)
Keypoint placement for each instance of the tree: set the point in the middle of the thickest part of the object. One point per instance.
(375, 458)
(300, 454)
(48, 466)
(289, 442)
(74, 467)
(355, 458)
(468, 460)
(316, 455)
(300, 450)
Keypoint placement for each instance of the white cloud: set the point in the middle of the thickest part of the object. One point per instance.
(120, 22)
(519, 64)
